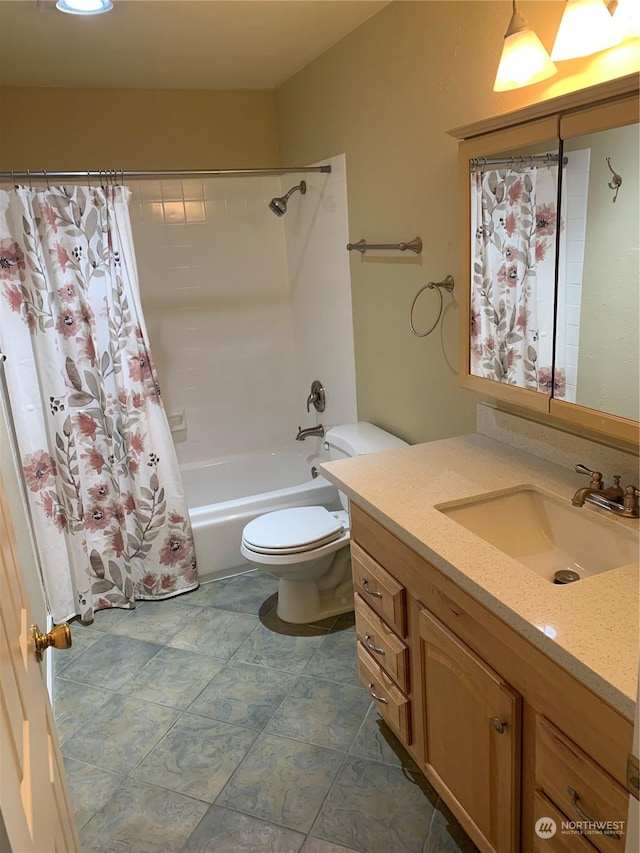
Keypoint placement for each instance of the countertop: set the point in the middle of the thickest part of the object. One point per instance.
(590, 627)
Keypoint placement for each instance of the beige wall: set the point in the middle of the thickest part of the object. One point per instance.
(72, 129)
(385, 96)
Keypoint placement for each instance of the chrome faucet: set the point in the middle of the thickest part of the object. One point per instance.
(613, 499)
(305, 433)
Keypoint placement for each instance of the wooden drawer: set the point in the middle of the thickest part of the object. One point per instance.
(385, 647)
(560, 842)
(392, 704)
(379, 589)
(562, 768)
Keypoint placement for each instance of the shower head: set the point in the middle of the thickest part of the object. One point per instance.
(279, 205)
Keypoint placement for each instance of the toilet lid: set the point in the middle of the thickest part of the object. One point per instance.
(292, 530)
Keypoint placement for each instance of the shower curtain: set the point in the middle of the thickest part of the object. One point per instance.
(513, 246)
(100, 470)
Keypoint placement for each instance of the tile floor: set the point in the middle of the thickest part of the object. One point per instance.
(204, 723)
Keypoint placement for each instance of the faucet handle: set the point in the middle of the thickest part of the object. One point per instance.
(630, 503)
(596, 476)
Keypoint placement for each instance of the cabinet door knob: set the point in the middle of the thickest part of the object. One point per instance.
(365, 587)
(377, 698)
(370, 646)
(498, 725)
(575, 802)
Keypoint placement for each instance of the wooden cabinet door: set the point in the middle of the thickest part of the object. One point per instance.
(472, 735)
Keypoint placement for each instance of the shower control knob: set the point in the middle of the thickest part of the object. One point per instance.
(316, 397)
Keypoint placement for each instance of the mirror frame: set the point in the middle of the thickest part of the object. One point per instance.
(601, 107)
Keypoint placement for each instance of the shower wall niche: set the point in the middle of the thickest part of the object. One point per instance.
(244, 308)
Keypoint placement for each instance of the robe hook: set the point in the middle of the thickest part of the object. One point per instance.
(616, 182)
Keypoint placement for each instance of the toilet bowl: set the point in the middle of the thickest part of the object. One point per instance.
(307, 548)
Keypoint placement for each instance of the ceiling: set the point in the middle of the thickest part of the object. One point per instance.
(172, 44)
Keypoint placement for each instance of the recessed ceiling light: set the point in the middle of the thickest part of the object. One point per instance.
(84, 7)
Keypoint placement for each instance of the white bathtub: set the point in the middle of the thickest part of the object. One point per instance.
(227, 493)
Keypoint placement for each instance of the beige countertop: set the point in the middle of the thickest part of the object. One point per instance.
(590, 627)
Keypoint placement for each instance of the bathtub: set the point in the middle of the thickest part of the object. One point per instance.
(225, 494)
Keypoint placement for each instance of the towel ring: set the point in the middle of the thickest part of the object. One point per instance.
(448, 285)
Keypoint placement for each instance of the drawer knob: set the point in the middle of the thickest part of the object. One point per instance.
(370, 646)
(575, 801)
(498, 725)
(365, 587)
(377, 698)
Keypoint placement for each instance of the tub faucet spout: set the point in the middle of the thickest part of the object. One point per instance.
(305, 433)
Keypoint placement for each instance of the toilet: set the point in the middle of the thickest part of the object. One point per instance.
(307, 547)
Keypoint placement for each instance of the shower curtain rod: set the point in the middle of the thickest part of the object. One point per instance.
(516, 160)
(133, 174)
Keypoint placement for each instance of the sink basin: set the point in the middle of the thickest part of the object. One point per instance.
(546, 535)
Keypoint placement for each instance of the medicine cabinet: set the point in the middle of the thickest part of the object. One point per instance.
(549, 201)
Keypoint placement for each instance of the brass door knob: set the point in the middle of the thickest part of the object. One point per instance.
(59, 637)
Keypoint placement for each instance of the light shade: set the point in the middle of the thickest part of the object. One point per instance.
(627, 17)
(586, 27)
(524, 60)
(84, 7)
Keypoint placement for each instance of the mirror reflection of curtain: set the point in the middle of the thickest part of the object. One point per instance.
(513, 247)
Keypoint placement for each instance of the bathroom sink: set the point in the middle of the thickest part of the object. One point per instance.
(546, 535)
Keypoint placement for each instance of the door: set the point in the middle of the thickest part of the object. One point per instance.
(633, 822)
(472, 726)
(33, 793)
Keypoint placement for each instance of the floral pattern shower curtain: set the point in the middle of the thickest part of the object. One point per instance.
(99, 464)
(513, 233)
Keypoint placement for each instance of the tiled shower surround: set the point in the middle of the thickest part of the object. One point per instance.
(245, 309)
(204, 723)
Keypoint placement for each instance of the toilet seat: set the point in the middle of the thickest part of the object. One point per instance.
(296, 530)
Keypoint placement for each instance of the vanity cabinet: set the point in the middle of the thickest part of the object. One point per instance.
(383, 656)
(579, 787)
(499, 729)
(546, 842)
(471, 722)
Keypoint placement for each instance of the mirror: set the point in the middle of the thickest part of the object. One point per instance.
(551, 321)
(598, 309)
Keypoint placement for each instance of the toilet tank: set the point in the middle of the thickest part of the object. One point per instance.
(357, 439)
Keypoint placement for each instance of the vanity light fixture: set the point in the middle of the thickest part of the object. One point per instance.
(586, 27)
(84, 7)
(524, 60)
(627, 17)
